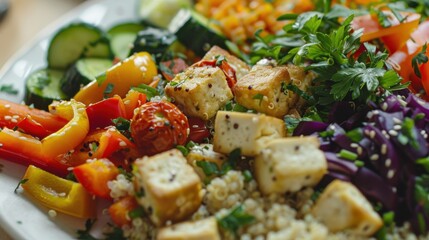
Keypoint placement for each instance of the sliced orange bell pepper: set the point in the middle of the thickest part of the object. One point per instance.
(137, 69)
(12, 113)
(133, 100)
(119, 211)
(58, 194)
(94, 176)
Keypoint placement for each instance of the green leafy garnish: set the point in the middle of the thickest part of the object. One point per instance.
(85, 234)
(419, 59)
(9, 89)
(108, 90)
(209, 168)
(149, 91)
(23, 181)
(235, 219)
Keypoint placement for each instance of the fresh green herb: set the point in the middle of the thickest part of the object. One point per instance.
(408, 134)
(149, 91)
(327, 134)
(23, 181)
(137, 213)
(108, 90)
(315, 195)
(298, 91)
(128, 175)
(122, 124)
(236, 218)
(220, 59)
(419, 59)
(70, 176)
(101, 78)
(85, 234)
(116, 234)
(239, 108)
(292, 122)
(209, 168)
(140, 193)
(259, 97)
(359, 163)
(93, 146)
(424, 162)
(183, 149)
(355, 135)
(247, 175)
(42, 81)
(9, 89)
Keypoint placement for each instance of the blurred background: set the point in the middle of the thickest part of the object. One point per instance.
(24, 19)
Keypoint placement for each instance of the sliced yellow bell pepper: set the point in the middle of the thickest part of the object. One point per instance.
(71, 135)
(131, 72)
(58, 194)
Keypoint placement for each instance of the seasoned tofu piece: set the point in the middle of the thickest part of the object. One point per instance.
(289, 164)
(240, 67)
(263, 90)
(342, 207)
(206, 229)
(200, 91)
(204, 153)
(167, 187)
(300, 78)
(248, 131)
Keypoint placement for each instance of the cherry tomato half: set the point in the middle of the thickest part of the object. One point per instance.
(158, 126)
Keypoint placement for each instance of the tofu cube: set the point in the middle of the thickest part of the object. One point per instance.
(248, 131)
(167, 187)
(300, 78)
(240, 67)
(342, 207)
(200, 91)
(261, 90)
(204, 152)
(206, 229)
(289, 164)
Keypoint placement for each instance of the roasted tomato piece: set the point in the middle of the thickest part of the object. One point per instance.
(158, 126)
(198, 130)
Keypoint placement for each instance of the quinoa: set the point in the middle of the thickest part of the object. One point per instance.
(120, 187)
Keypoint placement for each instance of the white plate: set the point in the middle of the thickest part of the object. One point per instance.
(19, 216)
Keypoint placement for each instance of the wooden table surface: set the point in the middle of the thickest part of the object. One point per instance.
(23, 21)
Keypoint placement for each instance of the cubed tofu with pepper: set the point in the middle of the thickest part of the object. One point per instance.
(200, 91)
(248, 131)
(204, 153)
(262, 89)
(240, 67)
(342, 207)
(167, 187)
(206, 229)
(289, 164)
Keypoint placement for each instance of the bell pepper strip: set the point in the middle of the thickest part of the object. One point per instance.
(133, 100)
(71, 135)
(58, 194)
(105, 143)
(402, 59)
(102, 113)
(120, 211)
(136, 69)
(395, 36)
(33, 128)
(94, 176)
(198, 130)
(12, 113)
(224, 65)
(170, 68)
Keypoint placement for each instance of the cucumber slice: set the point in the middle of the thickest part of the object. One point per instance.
(75, 41)
(122, 37)
(42, 87)
(83, 72)
(154, 41)
(160, 12)
(187, 23)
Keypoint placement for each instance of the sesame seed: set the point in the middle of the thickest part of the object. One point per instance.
(126, 102)
(70, 168)
(397, 127)
(394, 189)
(388, 162)
(374, 157)
(23, 138)
(359, 150)
(369, 114)
(1, 144)
(14, 120)
(332, 127)
(393, 133)
(390, 174)
(15, 116)
(7, 105)
(397, 120)
(122, 144)
(354, 145)
(372, 134)
(7, 117)
(384, 106)
(376, 112)
(52, 213)
(383, 149)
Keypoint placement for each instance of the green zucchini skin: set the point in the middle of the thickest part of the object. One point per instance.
(42, 87)
(154, 41)
(122, 36)
(82, 72)
(196, 32)
(75, 41)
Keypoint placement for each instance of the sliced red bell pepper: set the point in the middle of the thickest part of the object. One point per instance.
(172, 67)
(94, 176)
(12, 113)
(102, 113)
(58, 194)
(29, 126)
(198, 130)
(119, 211)
(133, 100)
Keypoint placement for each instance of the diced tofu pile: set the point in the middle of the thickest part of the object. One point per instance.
(342, 207)
(289, 164)
(200, 91)
(206, 229)
(167, 187)
(248, 131)
(239, 66)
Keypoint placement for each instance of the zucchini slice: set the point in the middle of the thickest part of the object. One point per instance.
(159, 13)
(154, 41)
(75, 41)
(122, 37)
(83, 72)
(196, 32)
(42, 87)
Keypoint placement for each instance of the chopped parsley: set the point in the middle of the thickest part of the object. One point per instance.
(209, 168)
(419, 59)
(108, 90)
(9, 89)
(19, 184)
(236, 218)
